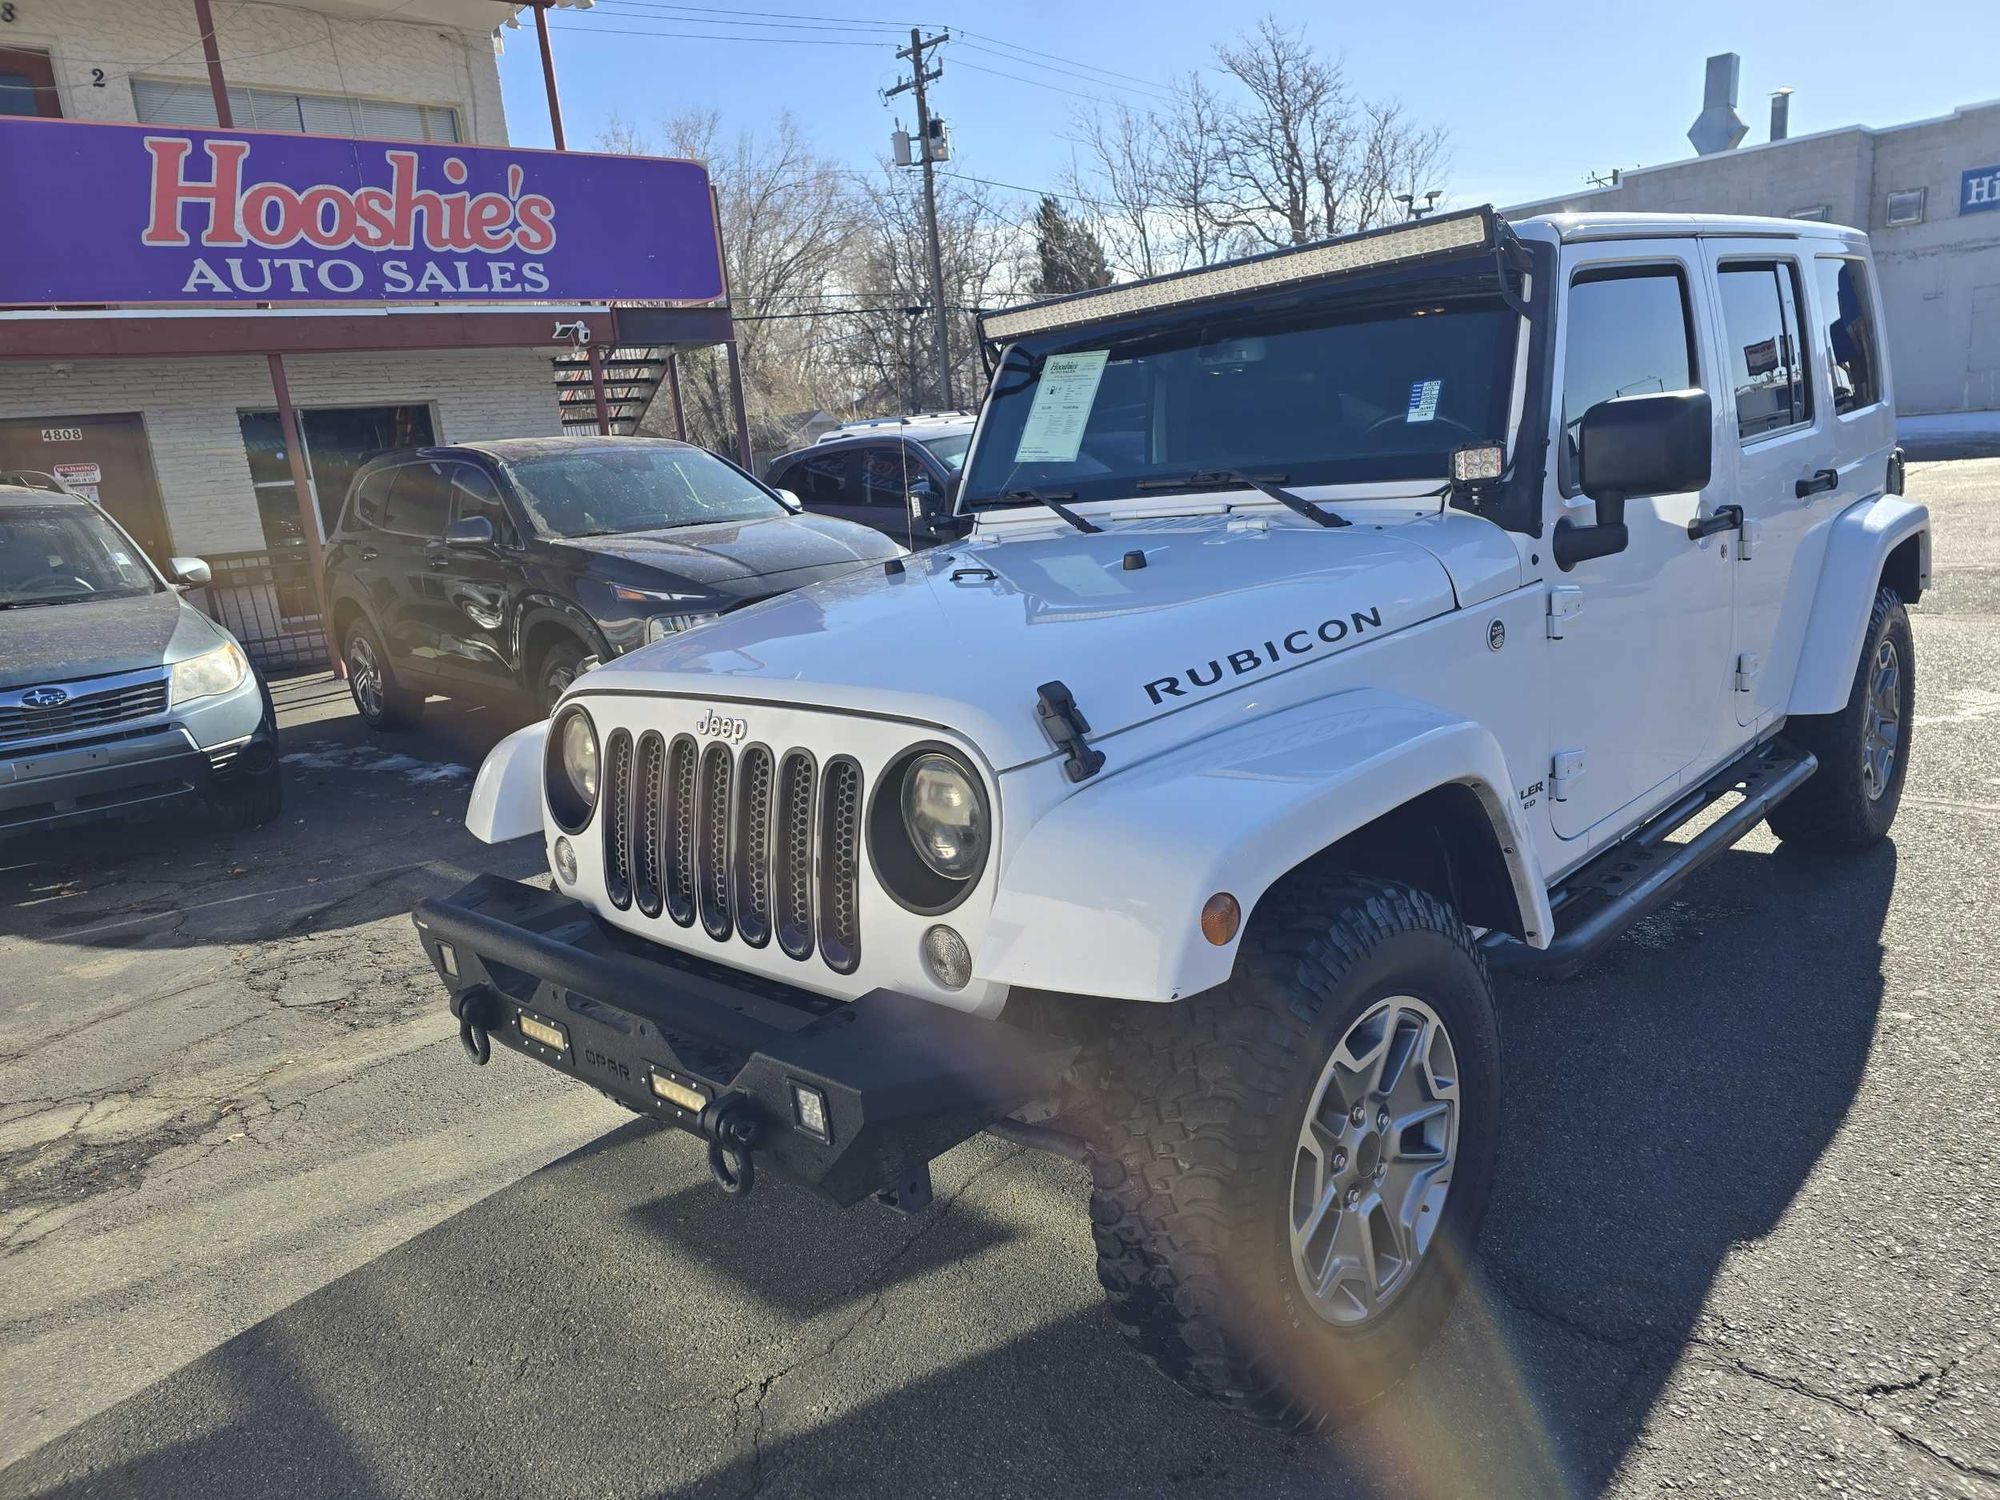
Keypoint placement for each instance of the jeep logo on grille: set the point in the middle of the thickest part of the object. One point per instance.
(44, 697)
(722, 727)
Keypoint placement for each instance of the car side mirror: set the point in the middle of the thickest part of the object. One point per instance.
(469, 531)
(790, 499)
(1660, 443)
(189, 572)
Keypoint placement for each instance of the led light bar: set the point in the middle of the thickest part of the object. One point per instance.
(1472, 229)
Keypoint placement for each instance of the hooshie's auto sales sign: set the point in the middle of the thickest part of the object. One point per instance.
(141, 214)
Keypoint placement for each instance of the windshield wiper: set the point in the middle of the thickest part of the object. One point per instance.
(1055, 503)
(1269, 484)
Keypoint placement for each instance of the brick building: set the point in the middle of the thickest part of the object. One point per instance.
(1927, 192)
(173, 416)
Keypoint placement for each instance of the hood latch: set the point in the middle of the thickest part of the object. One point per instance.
(1066, 726)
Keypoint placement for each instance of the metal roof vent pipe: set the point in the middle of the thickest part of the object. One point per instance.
(1781, 114)
(1718, 127)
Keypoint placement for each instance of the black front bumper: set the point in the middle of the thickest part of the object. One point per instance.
(903, 1080)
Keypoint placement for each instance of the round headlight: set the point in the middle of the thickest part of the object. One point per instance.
(945, 817)
(579, 756)
(570, 771)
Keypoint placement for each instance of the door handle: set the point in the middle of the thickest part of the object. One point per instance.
(439, 564)
(1725, 518)
(369, 554)
(1822, 479)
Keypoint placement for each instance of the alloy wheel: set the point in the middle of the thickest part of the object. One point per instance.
(1882, 721)
(364, 676)
(1374, 1160)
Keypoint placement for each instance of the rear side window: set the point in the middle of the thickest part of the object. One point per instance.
(366, 509)
(1628, 335)
(419, 500)
(1850, 334)
(1766, 352)
(888, 474)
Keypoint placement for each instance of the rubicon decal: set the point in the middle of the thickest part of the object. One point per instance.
(1334, 631)
(222, 216)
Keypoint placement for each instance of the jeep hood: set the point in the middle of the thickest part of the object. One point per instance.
(965, 635)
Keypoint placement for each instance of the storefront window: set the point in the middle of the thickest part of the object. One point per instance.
(338, 441)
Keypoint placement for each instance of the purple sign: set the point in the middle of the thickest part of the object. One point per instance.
(135, 213)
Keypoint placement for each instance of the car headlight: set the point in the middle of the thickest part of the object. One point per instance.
(219, 671)
(570, 770)
(659, 627)
(945, 817)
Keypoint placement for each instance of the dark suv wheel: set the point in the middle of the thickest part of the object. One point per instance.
(382, 701)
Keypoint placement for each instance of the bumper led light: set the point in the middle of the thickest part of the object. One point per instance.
(448, 959)
(550, 1035)
(676, 1093)
(809, 1112)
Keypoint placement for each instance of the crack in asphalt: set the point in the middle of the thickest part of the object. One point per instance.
(871, 1308)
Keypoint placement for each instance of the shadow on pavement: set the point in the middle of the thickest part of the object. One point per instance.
(602, 1327)
(372, 822)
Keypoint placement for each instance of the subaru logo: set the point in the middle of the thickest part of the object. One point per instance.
(43, 697)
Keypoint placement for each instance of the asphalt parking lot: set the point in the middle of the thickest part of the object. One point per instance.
(263, 1230)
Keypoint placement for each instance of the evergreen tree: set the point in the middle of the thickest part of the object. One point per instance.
(1071, 258)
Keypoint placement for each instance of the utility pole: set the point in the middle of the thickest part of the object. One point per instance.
(919, 76)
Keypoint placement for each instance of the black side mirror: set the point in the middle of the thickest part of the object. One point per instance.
(1657, 444)
(469, 531)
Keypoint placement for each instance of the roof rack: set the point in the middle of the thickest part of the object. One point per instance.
(35, 479)
(914, 419)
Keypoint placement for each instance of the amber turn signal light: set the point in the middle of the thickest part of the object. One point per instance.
(1220, 917)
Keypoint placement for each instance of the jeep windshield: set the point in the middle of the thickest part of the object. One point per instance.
(65, 554)
(602, 491)
(1350, 394)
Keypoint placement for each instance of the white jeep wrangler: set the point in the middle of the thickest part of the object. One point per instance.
(1328, 628)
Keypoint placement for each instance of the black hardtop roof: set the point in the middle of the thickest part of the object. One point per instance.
(513, 450)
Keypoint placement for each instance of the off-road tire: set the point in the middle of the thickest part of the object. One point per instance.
(1833, 813)
(248, 801)
(1193, 1112)
(392, 706)
(555, 669)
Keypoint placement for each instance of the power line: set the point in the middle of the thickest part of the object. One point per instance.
(646, 14)
(1035, 82)
(1103, 83)
(786, 15)
(1072, 61)
(706, 36)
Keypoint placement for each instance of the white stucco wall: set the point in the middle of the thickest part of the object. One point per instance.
(190, 408)
(267, 45)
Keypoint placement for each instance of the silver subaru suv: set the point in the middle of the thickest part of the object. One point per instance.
(116, 696)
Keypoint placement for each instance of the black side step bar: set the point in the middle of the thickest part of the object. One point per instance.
(1635, 877)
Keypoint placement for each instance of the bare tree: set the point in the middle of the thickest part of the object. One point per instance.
(787, 217)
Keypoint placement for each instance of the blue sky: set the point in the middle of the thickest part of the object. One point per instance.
(1535, 93)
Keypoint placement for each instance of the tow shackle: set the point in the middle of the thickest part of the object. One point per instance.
(478, 1014)
(733, 1126)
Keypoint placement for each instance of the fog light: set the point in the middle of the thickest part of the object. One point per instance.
(448, 959)
(947, 958)
(550, 1035)
(809, 1112)
(676, 1093)
(565, 862)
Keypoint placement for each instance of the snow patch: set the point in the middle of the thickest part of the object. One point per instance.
(327, 755)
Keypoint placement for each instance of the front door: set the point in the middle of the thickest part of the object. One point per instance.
(104, 457)
(1640, 680)
(471, 588)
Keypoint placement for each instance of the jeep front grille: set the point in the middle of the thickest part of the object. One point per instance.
(755, 845)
